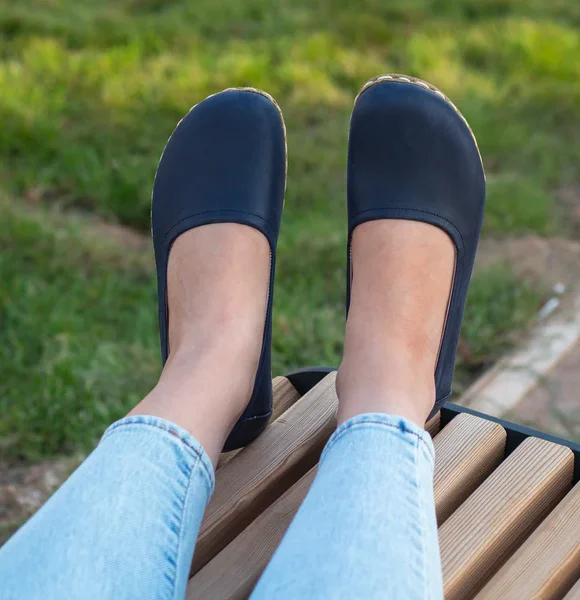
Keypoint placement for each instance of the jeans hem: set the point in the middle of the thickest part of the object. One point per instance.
(175, 431)
(405, 427)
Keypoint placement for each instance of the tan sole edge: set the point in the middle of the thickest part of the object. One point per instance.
(397, 78)
(232, 89)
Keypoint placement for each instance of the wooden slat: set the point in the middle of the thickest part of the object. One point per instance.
(548, 563)
(574, 593)
(225, 458)
(433, 425)
(234, 572)
(284, 396)
(466, 451)
(229, 578)
(486, 529)
(265, 469)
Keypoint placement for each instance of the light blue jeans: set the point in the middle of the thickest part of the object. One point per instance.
(124, 525)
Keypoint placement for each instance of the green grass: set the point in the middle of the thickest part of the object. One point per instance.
(77, 329)
(92, 90)
(498, 307)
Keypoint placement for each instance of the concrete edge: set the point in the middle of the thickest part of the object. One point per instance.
(514, 376)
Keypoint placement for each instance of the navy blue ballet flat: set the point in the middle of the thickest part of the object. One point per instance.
(413, 156)
(224, 163)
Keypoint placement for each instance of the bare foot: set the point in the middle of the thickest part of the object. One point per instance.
(218, 279)
(402, 277)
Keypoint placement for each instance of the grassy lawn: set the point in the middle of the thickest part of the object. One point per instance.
(92, 90)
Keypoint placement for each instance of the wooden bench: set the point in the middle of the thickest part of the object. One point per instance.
(507, 500)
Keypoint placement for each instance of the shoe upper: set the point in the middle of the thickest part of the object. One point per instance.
(412, 156)
(227, 156)
(225, 162)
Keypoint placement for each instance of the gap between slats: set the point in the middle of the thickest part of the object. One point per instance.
(265, 469)
(574, 593)
(467, 450)
(232, 574)
(548, 563)
(284, 395)
(486, 529)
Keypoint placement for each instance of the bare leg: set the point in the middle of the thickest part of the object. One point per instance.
(217, 291)
(401, 285)
(367, 528)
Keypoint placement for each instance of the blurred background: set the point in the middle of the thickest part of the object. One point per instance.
(90, 92)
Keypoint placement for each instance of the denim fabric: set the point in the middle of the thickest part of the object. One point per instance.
(124, 525)
(367, 528)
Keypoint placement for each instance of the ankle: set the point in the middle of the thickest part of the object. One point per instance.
(391, 374)
(217, 281)
(391, 392)
(228, 335)
(205, 386)
(221, 350)
(402, 274)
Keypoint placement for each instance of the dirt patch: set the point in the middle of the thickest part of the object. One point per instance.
(568, 204)
(535, 259)
(24, 489)
(121, 235)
